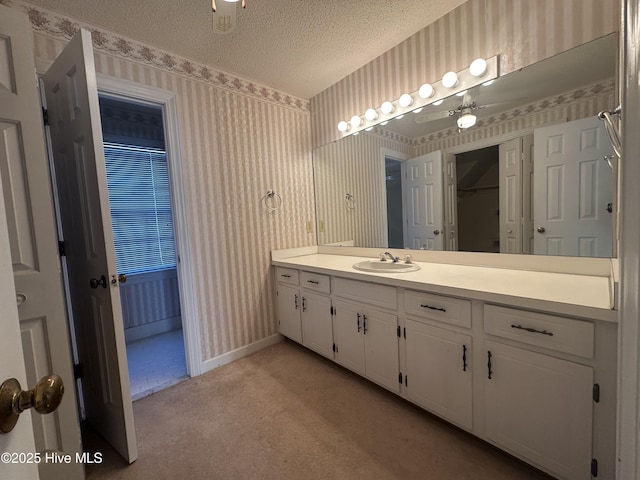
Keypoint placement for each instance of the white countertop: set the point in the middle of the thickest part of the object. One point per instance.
(588, 296)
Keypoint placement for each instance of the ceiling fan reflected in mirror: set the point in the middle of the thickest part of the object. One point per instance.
(466, 118)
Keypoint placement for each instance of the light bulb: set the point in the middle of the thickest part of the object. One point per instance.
(438, 102)
(399, 117)
(486, 84)
(343, 126)
(368, 129)
(385, 122)
(371, 115)
(426, 91)
(356, 121)
(405, 100)
(478, 67)
(450, 79)
(417, 110)
(387, 108)
(467, 120)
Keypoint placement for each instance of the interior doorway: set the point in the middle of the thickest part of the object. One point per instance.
(393, 185)
(143, 231)
(478, 200)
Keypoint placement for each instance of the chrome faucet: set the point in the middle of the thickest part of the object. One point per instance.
(387, 254)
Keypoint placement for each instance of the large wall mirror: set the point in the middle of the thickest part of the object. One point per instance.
(534, 174)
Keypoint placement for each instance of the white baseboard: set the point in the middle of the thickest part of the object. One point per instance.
(238, 353)
(154, 328)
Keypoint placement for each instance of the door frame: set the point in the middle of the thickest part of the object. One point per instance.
(399, 157)
(126, 90)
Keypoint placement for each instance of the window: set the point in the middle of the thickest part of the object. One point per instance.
(140, 203)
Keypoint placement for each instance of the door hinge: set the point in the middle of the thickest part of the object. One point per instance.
(399, 334)
(61, 250)
(45, 116)
(400, 378)
(594, 467)
(78, 370)
(596, 392)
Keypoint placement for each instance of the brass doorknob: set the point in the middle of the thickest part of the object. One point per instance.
(541, 229)
(122, 278)
(436, 232)
(45, 397)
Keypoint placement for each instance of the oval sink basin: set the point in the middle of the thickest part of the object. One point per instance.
(386, 267)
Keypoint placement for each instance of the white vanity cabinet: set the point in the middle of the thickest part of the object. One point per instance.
(317, 331)
(539, 406)
(288, 303)
(304, 309)
(366, 337)
(526, 381)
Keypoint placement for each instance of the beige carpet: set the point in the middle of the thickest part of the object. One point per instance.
(287, 413)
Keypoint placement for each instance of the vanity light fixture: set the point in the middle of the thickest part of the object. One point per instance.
(371, 115)
(450, 79)
(478, 67)
(452, 83)
(426, 91)
(405, 100)
(387, 108)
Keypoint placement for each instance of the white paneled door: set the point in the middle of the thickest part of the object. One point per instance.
(32, 244)
(423, 191)
(510, 161)
(74, 117)
(573, 190)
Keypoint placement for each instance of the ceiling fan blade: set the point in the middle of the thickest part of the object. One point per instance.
(428, 117)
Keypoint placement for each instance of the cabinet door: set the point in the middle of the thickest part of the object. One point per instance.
(288, 305)
(439, 371)
(381, 348)
(347, 328)
(540, 407)
(317, 332)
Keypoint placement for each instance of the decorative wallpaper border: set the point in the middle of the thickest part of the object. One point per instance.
(59, 26)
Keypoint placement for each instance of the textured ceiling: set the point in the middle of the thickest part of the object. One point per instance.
(298, 46)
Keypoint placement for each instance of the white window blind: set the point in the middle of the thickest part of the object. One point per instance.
(140, 204)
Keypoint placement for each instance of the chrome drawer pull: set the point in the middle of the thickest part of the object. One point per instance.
(313, 281)
(286, 276)
(440, 309)
(532, 330)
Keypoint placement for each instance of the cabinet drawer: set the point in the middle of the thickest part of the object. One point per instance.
(450, 310)
(370, 293)
(287, 275)
(316, 281)
(556, 333)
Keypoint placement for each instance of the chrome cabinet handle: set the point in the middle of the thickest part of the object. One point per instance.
(364, 324)
(45, 397)
(358, 322)
(464, 358)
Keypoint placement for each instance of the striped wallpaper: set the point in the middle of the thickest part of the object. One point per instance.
(353, 164)
(522, 32)
(237, 143)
